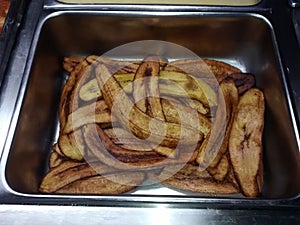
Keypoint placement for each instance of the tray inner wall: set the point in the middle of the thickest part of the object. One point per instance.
(245, 41)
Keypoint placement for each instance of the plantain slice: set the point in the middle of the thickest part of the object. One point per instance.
(128, 141)
(165, 133)
(55, 160)
(148, 89)
(51, 179)
(63, 174)
(216, 143)
(64, 105)
(243, 81)
(96, 112)
(185, 115)
(56, 149)
(72, 145)
(245, 143)
(71, 62)
(192, 179)
(115, 66)
(220, 171)
(105, 185)
(107, 152)
(206, 68)
(139, 86)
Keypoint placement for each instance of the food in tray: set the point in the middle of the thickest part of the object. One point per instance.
(4, 6)
(189, 124)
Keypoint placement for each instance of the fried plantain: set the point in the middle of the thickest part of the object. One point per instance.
(164, 133)
(245, 142)
(55, 160)
(105, 185)
(96, 112)
(220, 171)
(72, 145)
(216, 144)
(192, 179)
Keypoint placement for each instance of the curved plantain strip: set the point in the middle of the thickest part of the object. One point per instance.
(72, 145)
(104, 150)
(65, 174)
(127, 140)
(206, 68)
(105, 185)
(64, 105)
(96, 112)
(215, 145)
(191, 179)
(55, 160)
(245, 142)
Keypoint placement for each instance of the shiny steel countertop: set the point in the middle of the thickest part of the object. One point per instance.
(171, 213)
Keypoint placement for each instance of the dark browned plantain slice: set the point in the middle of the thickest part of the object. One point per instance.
(245, 143)
(243, 81)
(105, 185)
(192, 179)
(107, 152)
(68, 172)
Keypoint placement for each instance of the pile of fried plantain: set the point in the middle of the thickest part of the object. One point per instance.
(190, 124)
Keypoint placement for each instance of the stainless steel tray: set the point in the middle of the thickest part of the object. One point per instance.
(30, 104)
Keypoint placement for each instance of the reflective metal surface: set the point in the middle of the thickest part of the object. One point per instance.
(159, 214)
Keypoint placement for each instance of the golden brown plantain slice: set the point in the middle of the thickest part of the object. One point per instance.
(231, 177)
(192, 179)
(206, 68)
(201, 185)
(243, 81)
(164, 133)
(52, 177)
(245, 143)
(64, 105)
(56, 149)
(128, 141)
(115, 66)
(105, 185)
(216, 144)
(68, 172)
(145, 90)
(71, 62)
(55, 160)
(96, 112)
(220, 171)
(117, 157)
(72, 145)
(171, 110)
